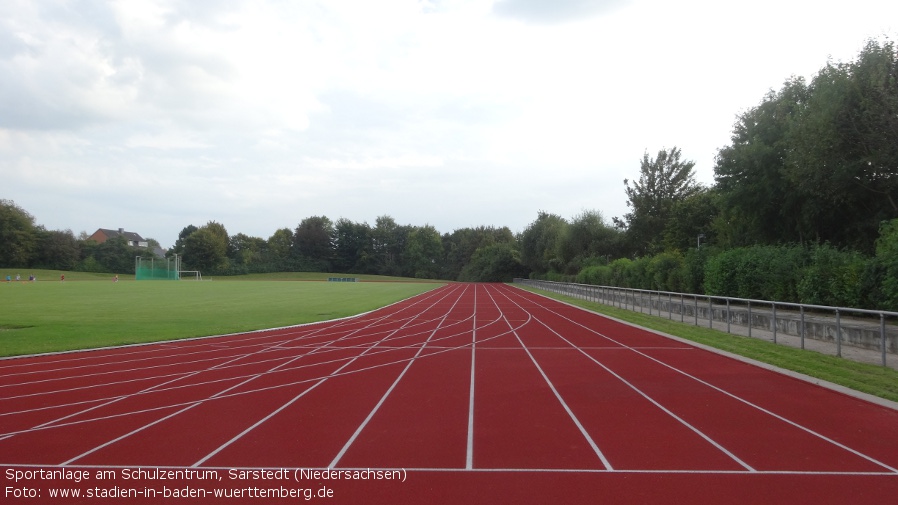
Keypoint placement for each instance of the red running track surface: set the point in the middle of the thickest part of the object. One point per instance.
(470, 393)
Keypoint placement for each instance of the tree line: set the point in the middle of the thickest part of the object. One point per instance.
(804, 207)
(318, 244)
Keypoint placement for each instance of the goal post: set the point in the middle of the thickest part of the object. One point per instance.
(186, 274)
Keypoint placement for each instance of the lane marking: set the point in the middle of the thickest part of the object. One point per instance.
(389, 390)
(469, 451)
(727, 393)
(570, 413)
(297, 397)
(642, 393)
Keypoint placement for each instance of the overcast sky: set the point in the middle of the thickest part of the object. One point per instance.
(154, 115)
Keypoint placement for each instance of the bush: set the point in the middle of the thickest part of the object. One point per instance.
(887, 262)
(759, 272)
(693, 270)
(664, 271)
(833, 277)
(599, 275)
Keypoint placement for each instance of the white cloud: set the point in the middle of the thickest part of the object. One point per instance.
(157, 114)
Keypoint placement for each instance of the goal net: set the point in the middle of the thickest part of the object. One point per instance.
(155, 268)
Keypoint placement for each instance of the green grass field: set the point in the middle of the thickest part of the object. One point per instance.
(871, 379)
(89, 310)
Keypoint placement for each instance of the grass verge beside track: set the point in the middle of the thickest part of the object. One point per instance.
(875, 380)
(49, 316)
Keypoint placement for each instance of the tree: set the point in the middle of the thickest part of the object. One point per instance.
(178, 248)
(663, 181)
(206, 249)
(58, 250)
(691, 218)
(280, 249)
(758, 204)
(500, 262)
(587, 236)
(115, 255)
(539, 243)
(313, 242)
(423, 252)
(18, 235)
(844, 148)
(353, 247)
(460, 245)
(247, 253)
(388, 243)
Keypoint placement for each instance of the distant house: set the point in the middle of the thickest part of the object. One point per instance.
(131, 238)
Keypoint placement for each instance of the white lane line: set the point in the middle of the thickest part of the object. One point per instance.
(664, 409)
(266, 388)
(469, 453)
(731, 395)
(218, 394)
(185, 409)
(598, 452)
(389, 390)
(157, 388)
(300, 395)
(281, 346)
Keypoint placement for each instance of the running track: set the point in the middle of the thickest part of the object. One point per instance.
(481, 393)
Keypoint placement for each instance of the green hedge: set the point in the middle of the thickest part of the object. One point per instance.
(818, 274)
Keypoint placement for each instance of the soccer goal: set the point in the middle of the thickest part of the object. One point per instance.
(156, 268)
(194, 274)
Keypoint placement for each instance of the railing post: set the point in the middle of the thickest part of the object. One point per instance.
(728, 315)
(710, 313)
(773, 321)
(802, 330)
(882, 336)
(696, 310)
(838, 334)
(749, 318)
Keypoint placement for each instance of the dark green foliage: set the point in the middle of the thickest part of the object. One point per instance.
(313, 244)
(423, 253)
(816, 163)
(115, 256)
(757, 272)
(758, 206)
(18, 235)
(353, 247)
(206, 249)
(539, 243)
(459, 248)
(833, 277)
(886, 263)
(494, 263)
(663, 182)
(57, 250)
(664, 272)
(586, 238)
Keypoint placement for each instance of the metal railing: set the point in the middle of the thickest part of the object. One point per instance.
(859, 334)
